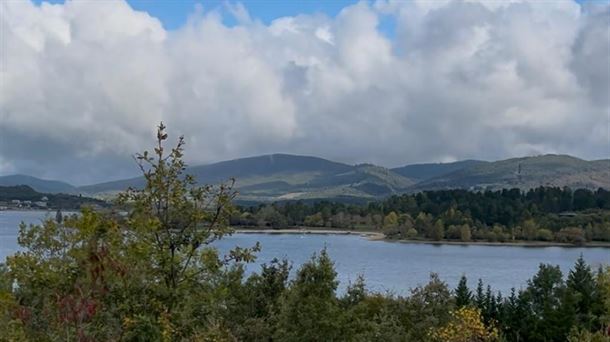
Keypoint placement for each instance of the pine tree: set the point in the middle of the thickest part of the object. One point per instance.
(479, 298)
(59, 217)
(463, 295)
(581, 284)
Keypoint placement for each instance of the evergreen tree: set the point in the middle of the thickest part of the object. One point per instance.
(545, 296)
(59, 217)
(479, 298)
(463, 295)
(581, 284)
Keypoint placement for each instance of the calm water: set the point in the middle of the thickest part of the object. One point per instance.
(386, 266)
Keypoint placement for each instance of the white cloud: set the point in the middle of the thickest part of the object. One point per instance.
(83, 84)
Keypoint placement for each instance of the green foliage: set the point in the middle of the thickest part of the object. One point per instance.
(428, 307)
(153, 275)
(309, 309)
(463, 295)
(98, 276)
(495, 216)
(55, 201)
(581, 284)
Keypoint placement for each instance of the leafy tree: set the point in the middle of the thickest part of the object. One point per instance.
(309, 309)
(544, 234)
(465, 233)
(466, 324)
(390, 220)
(583, 335)
(438, 231)
(545, 295)
(428, 308)
(103, 277)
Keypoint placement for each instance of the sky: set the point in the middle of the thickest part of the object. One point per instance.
(84, 83)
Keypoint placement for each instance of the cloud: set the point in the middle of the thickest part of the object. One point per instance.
(82, 84)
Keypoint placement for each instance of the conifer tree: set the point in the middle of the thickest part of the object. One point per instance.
(581, 284)
(463, 295)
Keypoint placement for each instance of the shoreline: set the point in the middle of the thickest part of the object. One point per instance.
(379, 236)
(373, 236)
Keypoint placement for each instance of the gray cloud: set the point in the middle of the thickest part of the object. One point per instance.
(84, 83)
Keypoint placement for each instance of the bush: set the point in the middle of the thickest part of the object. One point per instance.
(544, 235)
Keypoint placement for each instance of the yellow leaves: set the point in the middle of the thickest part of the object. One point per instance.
(167, 330)
(128, 322)
(466, 325)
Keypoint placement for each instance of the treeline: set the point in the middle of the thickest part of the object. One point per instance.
(541, 214)
(154, 275)
(54, 201)
(273, 306)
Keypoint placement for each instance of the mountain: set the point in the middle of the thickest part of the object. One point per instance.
(278, 177)
(281, 177)
(422, 172)
(525, 173)
(40, 185)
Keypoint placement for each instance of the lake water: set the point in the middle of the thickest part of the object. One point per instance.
(386, 266)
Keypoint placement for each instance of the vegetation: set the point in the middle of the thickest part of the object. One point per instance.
(541, 214)
(55, 201)
(154, 276)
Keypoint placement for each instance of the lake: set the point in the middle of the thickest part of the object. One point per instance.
(386, 266)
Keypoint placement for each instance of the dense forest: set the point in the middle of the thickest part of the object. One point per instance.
(154, 275)
(542, 214)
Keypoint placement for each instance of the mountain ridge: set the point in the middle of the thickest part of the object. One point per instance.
(279, 177)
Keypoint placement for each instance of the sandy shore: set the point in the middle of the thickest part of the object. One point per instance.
(380, 236)
(366, 234)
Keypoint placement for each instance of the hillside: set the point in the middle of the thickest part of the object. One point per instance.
(280, 177)
(422, 172)
(40, 185)
(525, 173)
(51, 201)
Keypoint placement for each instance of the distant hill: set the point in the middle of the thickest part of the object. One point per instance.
(525, 173)
(280, 177)
(422, 172)
(284, 177)
(40, 185)
(54, 201)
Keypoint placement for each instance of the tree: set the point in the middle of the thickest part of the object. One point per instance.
(270, 216)
(551, 310)
(530, 229)
(479, 297)
(101, 277)
(438, 232)
(172, 218)
(603, 298)
(59, 218)
(423, 224)
(465, 234)
(466, 325)
(309, 310)
(463, 295)
(428, 308)
(390, 220)
(581, 283)
(544, 234)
